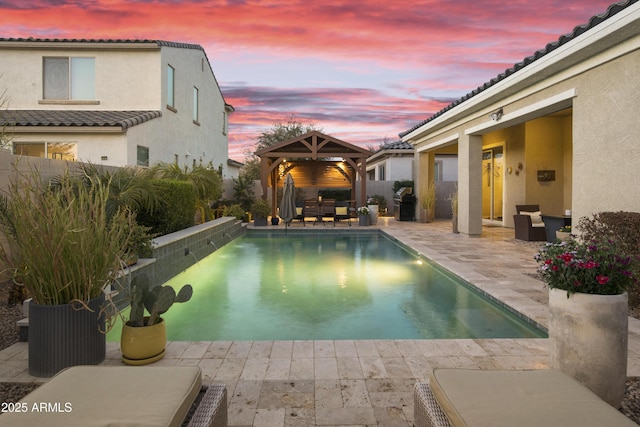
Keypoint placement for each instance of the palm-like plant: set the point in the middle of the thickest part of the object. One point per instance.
(132, 188)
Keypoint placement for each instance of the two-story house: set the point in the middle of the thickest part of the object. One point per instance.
(113, 102)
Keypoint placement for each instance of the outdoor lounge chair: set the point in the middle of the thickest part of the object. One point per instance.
(122, 396)
(523, 398)
(342, 212)
(528, 223)
(311, 209)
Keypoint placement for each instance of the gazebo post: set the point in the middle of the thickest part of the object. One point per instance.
(274, 192)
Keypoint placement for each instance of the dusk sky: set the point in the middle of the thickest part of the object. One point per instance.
(361, 70)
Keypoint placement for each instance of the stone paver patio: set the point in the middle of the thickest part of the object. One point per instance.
(366, 382)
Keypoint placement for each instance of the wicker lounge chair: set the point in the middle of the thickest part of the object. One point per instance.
(123, 395)
(528, 223)
(523, 398)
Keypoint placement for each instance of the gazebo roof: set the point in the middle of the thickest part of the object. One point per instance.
(311, 150)
(314, 145)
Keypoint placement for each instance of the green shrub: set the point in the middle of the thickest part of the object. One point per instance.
(260, 209)
(399, 184)
(624, 229)
(235, 210)
(338, 195)
(379, 199)
(177, 209)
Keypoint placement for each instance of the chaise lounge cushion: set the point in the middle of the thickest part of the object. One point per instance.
(519, 398)
(111, 396)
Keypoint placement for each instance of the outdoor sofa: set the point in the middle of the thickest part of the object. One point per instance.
(523, 398)
(122, 396)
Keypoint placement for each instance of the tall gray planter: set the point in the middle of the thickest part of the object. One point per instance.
(588, 340)
(60, 336)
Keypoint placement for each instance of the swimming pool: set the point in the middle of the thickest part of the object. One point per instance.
(330, 286)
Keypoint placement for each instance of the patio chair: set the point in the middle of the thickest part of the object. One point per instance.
(310, 209)
(328, 210)
(524, 398)
(342, 212)
(122, 395)
(299, 216)
(528, 223)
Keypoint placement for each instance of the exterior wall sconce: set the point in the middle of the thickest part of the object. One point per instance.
(496, 115)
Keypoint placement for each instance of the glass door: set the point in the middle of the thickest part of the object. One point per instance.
(492, 183)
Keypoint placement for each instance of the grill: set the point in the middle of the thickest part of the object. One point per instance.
(404, 203)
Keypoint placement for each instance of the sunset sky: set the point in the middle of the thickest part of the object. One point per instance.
(360, 70)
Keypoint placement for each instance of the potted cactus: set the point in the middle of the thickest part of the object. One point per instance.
(144, 338)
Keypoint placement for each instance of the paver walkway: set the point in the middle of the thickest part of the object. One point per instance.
(367, 382)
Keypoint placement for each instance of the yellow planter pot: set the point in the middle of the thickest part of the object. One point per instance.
(142, 345)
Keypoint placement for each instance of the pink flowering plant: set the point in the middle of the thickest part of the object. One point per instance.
(595, 267)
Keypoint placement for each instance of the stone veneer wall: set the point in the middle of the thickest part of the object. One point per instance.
(178, 251)
(173, 253)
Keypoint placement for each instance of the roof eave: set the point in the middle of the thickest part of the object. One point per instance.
(65, 129)
(616, 29)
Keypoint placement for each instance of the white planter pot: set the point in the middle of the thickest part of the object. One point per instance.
(588, 340)
(373, 213)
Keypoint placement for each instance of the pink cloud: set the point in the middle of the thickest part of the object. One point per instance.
(393, 63)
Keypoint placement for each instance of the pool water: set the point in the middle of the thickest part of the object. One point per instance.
(330, 286)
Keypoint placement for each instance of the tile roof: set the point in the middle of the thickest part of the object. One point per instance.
(396, 145)
(80, 118)
(577, 31)
(104, 41)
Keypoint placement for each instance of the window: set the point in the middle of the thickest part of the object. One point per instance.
(47, 150)
(195, 105)
(437, 170)
(381, 172)
(142, 156)
(225, 122)
(69, 78)
(171, 87)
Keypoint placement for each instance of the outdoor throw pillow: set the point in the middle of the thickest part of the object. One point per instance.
(536, 217)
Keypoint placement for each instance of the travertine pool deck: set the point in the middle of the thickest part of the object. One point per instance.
(366, 382)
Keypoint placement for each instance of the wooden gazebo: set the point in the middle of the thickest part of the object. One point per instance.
(314, 160)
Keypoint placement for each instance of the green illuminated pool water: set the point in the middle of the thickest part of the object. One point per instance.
(330, 287)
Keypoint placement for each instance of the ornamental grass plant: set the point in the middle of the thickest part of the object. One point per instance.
(60, 244)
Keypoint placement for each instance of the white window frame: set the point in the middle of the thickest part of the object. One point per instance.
(142, 148)
(196, 98)
(171, 88)
(80, 84)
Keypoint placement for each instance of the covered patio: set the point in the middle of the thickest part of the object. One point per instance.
(315, 161)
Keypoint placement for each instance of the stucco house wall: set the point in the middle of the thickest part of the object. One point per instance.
(130, 75)
(572, 110)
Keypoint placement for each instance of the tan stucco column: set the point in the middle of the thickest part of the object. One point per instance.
(470, 184)
(426, 166)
